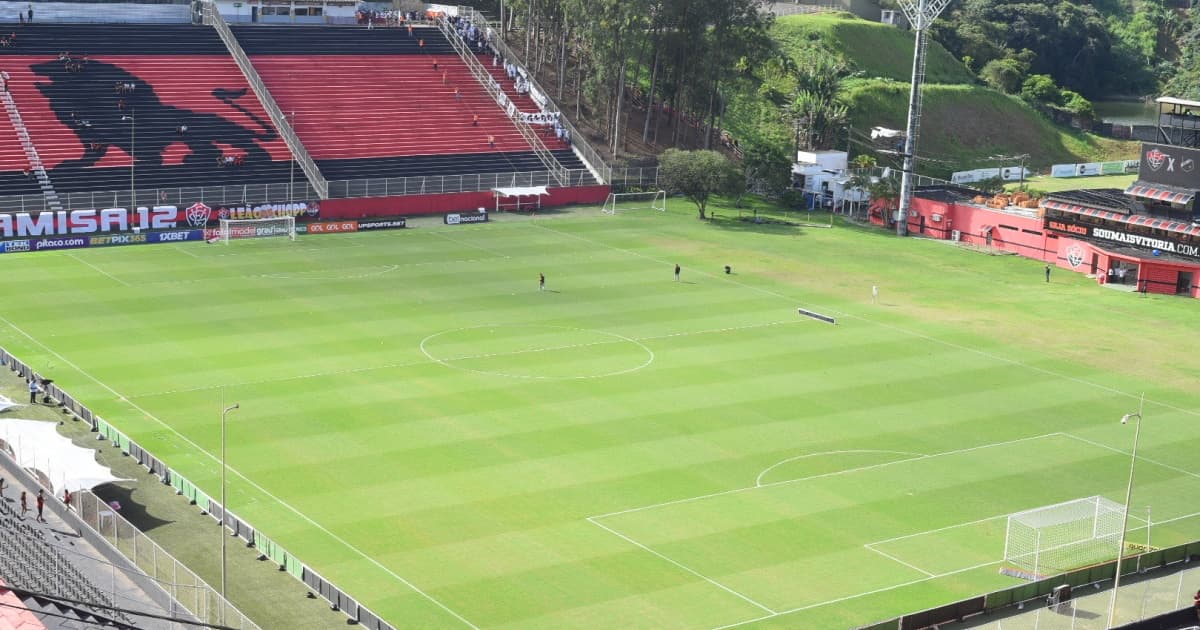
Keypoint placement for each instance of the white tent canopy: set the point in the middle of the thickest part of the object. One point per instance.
(7, 403)
(37, 445)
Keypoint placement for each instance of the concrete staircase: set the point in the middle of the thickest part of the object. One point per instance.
(35, 162)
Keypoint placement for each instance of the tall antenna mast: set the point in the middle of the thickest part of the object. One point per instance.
(920, 14)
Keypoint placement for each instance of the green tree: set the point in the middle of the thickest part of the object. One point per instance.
(1040, 89)
(698, 175)
(1006, 75)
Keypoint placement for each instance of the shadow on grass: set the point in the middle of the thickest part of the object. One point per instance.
(746, 223)
(132, 511)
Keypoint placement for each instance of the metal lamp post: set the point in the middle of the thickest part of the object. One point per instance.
(1137, 431)
(224, 505)
(132, 118)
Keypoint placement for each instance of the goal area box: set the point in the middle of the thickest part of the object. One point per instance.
(1059, 538)
(630, 201)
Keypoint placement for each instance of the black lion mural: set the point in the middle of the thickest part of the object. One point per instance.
(85, 98)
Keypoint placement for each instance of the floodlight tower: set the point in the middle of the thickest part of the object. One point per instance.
(920, 14)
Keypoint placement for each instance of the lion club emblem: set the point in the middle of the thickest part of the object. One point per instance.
(197, 215)
(1074, 255)
(1156, 159)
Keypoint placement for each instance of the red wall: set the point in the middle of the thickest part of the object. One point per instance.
(1028, 237)
(412, 205)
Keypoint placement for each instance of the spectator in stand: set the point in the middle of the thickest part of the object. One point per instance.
(491, 141)
(421, 44)
(474, 120)
(67, 498)
(410, 30)
(457, 95)
(41, 505)
(29, 14)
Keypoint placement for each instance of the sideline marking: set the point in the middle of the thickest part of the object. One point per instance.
(97, 269)
(758, 480)
(244, 478)
(379, 271)
(1145, 459)
(681, 566)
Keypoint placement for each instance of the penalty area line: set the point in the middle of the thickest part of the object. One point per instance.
(680, 565)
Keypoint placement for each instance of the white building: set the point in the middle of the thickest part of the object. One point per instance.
(825, 176)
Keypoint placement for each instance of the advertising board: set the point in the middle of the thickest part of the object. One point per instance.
(459, 218)
(383, 224)
(118, 220)
(1169, 165)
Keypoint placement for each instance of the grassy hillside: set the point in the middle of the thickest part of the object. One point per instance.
(962, 125)
(877, 50)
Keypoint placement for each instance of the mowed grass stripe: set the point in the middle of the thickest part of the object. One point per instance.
(427, 466)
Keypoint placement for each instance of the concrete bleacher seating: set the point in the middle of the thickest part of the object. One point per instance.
(29, 562)
(183, 76)
(369, 103)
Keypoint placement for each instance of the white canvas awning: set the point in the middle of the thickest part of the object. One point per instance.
(7, 403)
(521, 191)
(37, 445)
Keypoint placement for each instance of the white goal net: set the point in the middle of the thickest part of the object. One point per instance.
(623, 202)
(1059, 538)
(237, 229)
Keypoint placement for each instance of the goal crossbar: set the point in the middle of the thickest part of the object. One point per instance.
(651, 200)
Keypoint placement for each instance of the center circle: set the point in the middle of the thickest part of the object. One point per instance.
(537, 351)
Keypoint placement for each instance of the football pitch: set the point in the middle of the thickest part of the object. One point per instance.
(456, 448)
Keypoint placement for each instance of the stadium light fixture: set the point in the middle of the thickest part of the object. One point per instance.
(1137, 431)
(224, 506)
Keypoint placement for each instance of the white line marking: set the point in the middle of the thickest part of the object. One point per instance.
(99, 270)
(182, 250)
(449, 363)
(948, 344)
(246, 479)
(1142, 458)
(379, 270)
(894, 558)
(681, 566)
(758, 480)
(822, 475)
(471, 245)
(940, 529)
(856, 596)
(406, 364)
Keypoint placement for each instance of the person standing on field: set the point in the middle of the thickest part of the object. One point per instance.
(1047, 273)
(677, 270)
(33, 390)
(541, 282)
(874, 294)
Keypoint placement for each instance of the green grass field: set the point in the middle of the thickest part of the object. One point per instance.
(455, 448)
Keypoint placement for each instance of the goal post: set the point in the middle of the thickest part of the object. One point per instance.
(1058, 538)
(624, 202)
(238, 229)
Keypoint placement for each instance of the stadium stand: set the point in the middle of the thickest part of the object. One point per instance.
(370, 103)
(29, 561)
(189, 108)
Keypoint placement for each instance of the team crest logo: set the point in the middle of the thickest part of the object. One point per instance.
(1075, 255)
(314, 209)
(1156, 159)
(197, 214)
(1187, 165)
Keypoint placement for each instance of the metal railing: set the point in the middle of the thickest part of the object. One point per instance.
(181, 583)
(247, 194)
(578, 140)
(212, 17)
(493, 89)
